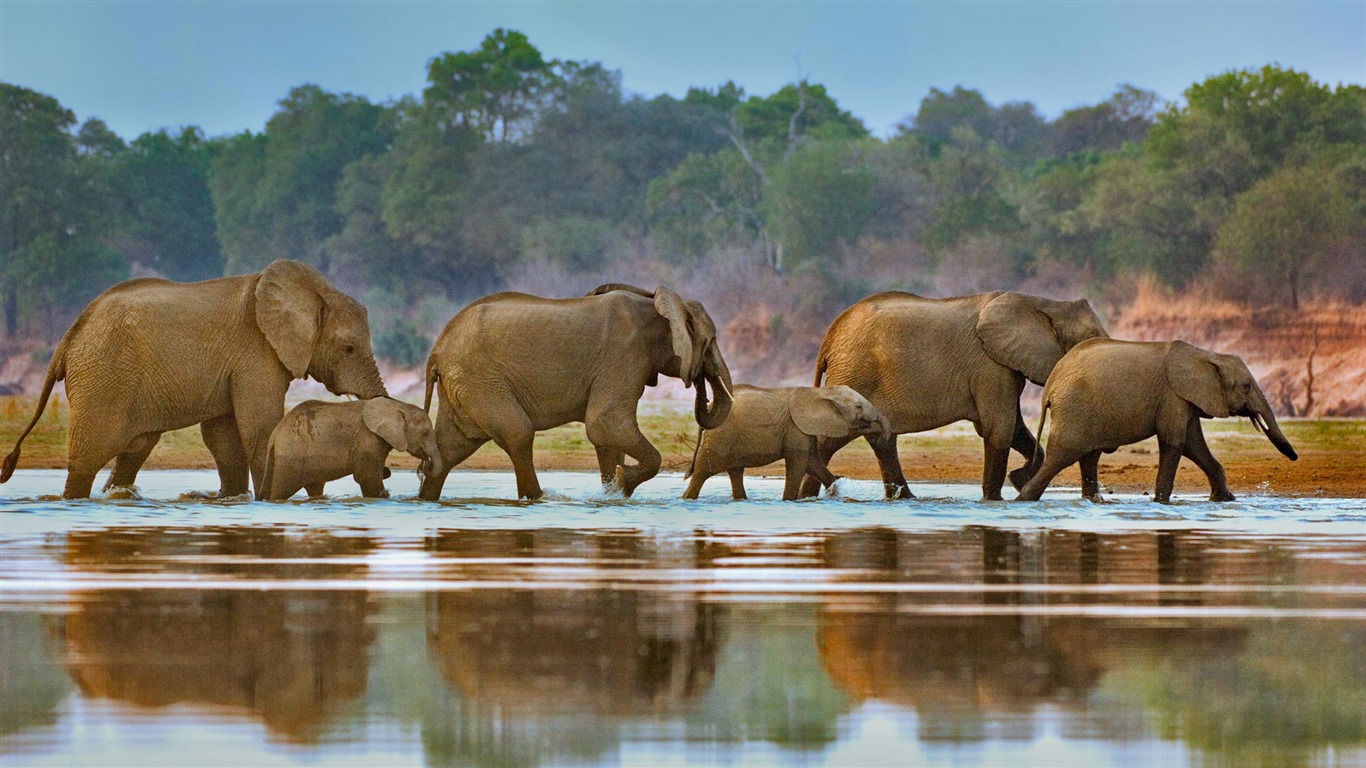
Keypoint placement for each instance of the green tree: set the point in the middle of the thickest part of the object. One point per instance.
(162, 182)
(1124, 117)
(496, 89)
(1284, 228)
(53, 206)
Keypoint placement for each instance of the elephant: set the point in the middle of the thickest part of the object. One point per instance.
(1106, 393)
(510, 364)
(316, 442)
(770, 424)
(925, 363)
(152, 355)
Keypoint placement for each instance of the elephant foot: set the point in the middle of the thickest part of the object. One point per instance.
(1019, 477)
(1222, 495)
(621, 481)
(898, 492)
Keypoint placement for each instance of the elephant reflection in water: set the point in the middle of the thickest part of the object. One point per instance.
(289, 658)
(599, 651)
(961, 670)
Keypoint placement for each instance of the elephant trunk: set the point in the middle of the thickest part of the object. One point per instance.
(717, 376)
(1265, 420)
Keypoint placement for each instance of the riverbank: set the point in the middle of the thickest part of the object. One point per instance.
(1331, 453)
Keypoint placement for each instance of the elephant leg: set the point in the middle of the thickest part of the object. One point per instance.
(1168, 457)
(127, 464)
(1024, 444)
(87, 451)
(795, 465)
(737, 483)
(314, 490)
(370, 478)
(517, 443)
(889, 463)
(256, 413)
(699, 476)
(825, 448)
(608, 459)
(1090, 476)
(223, 441)
(1058, 459)
(617, 430)
(455, 447)
(818, 469)
(1197, 450)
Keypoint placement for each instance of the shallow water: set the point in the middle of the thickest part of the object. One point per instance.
(588, 629)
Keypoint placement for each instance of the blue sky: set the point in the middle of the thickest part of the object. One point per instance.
(224, 65)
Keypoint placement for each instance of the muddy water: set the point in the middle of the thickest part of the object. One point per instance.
(586, 629)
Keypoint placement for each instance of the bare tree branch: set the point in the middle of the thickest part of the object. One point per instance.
(736, 135)
(793, 138)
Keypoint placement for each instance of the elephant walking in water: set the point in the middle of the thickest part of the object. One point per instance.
(925, 363)
(149, 355)
(511, 364)
(1106, 393)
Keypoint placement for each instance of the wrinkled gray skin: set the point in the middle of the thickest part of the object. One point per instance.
(770, 424)
(511, 364)
(316, 442)
(149, 355)
(1107, 393)
(926, 363)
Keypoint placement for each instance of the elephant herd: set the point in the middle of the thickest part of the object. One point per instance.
(151, 355)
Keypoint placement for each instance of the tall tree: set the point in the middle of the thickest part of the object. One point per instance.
(496, 90)
(162, 182)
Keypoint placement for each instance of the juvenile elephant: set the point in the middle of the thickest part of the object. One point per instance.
(1106, 393)
(316, 442)
(929, 362)
(770, 424)
(511, 364)
(151, 355)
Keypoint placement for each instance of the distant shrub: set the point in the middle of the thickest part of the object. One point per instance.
(402, 344)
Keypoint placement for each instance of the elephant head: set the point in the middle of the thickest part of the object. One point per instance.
(405, 428)
(1030, 334)
(836, 411)
(693, 336)
(1222, 386)
(316, 330)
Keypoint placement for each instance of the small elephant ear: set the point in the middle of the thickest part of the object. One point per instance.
(817, 413)
(1017, 334)
(1194, 376)
(289, 309)
(671, 307)
(384, 417)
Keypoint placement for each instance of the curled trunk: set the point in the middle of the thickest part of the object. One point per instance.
(717, 376)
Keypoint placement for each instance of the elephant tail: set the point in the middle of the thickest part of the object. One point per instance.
(56, 371)
(263, 493)
(1038, 434)
(432, 377)
(820, 366)
(692, 465)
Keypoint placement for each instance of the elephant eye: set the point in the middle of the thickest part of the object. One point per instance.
(349, 349)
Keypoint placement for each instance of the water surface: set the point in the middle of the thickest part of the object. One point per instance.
(588, 629)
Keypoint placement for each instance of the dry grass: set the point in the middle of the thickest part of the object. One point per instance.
(1331, 453)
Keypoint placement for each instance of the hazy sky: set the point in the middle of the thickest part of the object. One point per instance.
(224, 65)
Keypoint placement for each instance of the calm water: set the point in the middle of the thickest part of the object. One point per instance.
(589, 630)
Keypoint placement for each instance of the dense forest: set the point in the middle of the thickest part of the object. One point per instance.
(513, 170)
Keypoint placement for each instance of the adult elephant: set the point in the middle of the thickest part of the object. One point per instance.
(511, 364)
(151, 355)
(926, 363)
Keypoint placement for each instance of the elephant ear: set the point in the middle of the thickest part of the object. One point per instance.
(817, 413)
(671, 307)
(384, 417)
(1017, 334)
(289, 309)
(1194, 376)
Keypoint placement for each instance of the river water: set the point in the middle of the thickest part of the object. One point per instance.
(587, 629)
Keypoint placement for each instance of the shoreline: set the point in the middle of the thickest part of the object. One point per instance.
(1332, 453)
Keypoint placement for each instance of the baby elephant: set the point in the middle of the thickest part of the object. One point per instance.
(770, 424)
(316, 442)
(1106, 393)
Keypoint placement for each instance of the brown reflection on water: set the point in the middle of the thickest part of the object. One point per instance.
(252, 551)
(286, 657)
(605, 651)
